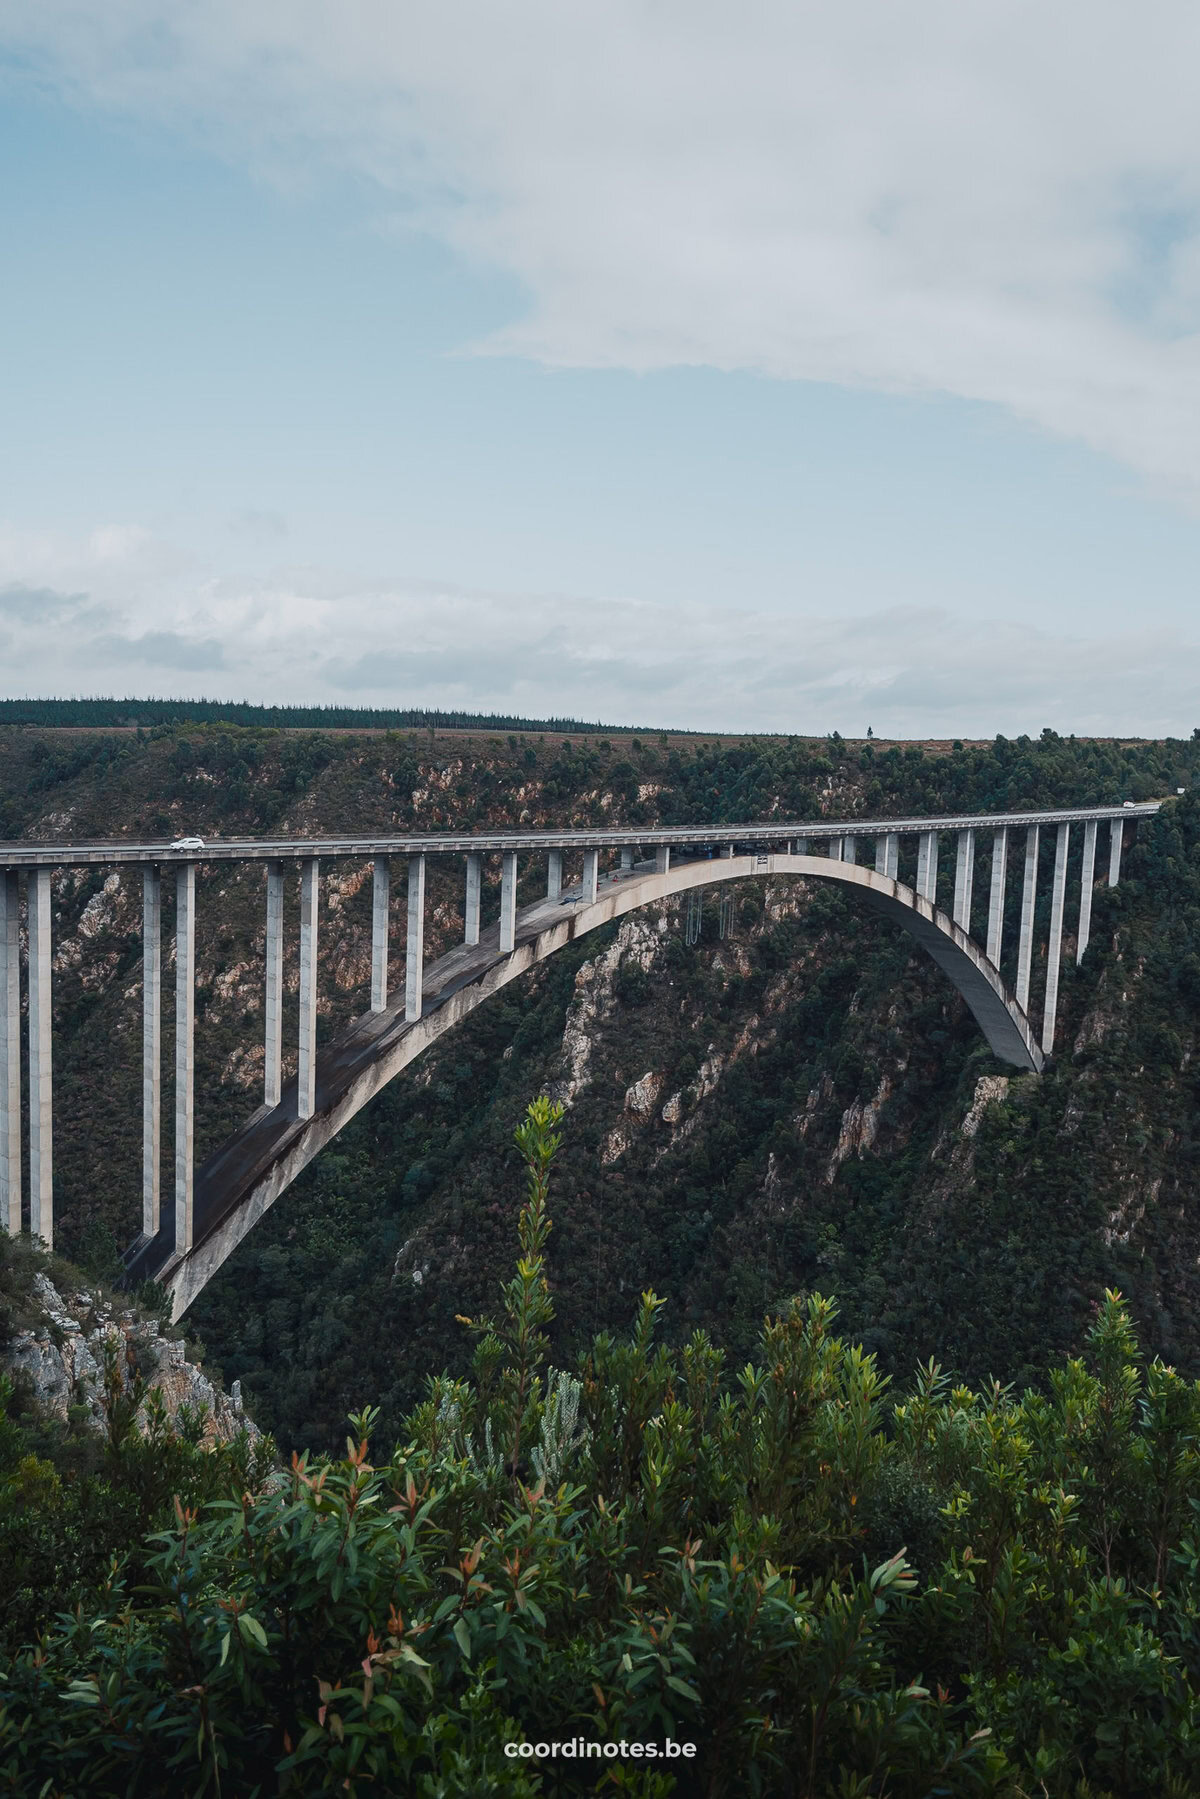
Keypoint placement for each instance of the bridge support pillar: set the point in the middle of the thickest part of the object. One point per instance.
(626, 858)
(381, 882)
(474, 889)
(849, 849)
(927, 864)
(151, 1050)
(887, 855)
(1115, 843)
(10, 1052)
(964, 880)
(273, 1006)
(1028, 901)
(508, 901)
(414, 946)
(662, 859)
(996, 897)
(1054, 950)
(591, 876)
(185, 1043)
(41, 1113)
(1087, 882)
(836, 845)
(306, 1068)
(554, 873)
(727, 851)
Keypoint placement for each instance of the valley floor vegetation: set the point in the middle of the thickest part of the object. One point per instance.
(830, 1588)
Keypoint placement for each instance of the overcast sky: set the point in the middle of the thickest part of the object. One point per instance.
(778, 366)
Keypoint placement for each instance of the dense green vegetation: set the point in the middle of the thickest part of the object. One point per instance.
(72, 1499)
(821, 1587)
(91, 713)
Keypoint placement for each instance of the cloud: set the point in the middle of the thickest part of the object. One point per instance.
(317, 637)
(998, 201)
(38, 605)
(160, 649)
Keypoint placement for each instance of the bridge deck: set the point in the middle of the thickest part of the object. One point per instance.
(78, 855)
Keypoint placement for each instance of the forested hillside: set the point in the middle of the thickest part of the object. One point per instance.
(803, 1105)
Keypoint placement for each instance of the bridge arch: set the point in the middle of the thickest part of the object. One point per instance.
(259, 1162)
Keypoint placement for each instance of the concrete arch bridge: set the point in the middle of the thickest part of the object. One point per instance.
(187, 1234)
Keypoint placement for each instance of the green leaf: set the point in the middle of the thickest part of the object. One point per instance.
(680, 1686)
(462, 1636)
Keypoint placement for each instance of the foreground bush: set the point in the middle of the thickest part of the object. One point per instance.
(827, 1592)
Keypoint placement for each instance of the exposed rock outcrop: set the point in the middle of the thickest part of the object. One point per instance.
(638, 940)
(62, 1356)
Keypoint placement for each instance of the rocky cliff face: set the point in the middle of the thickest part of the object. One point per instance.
(62, 1356)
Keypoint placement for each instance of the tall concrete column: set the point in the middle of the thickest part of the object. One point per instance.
(273, 1008)
(151, 1049)
(591, 876)
(662, 858)
(508, 901)
(414, 946)
(306, 1069)
(1054, 949)
(626, 858)
(475, 887)
(849, 849)
(887, 855)
(1116, 841)
(185, 1046)
(41, 1113)
(10, 1053)
(964, 879)
(1028, 901)
(727, 852)
(554, 873)
(381, 881)
(927, 863)
(996, 897)
(1087, 882)
(836, 846)
(801, 846)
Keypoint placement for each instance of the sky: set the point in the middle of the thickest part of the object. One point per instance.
(776, 367)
